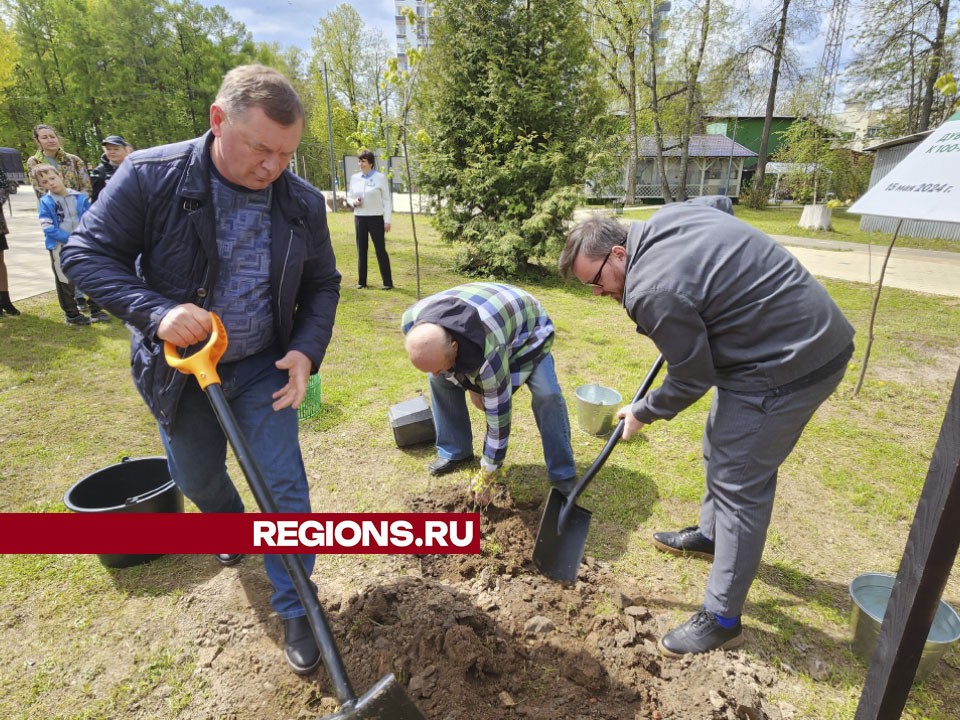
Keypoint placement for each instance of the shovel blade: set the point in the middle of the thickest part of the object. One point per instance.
(386, 700)
(557, 555)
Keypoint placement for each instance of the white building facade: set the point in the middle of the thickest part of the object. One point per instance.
(412, 35)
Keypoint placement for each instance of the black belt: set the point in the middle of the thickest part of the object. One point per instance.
(811, 378)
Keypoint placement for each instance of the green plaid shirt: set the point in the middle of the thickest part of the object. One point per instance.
(518, 334)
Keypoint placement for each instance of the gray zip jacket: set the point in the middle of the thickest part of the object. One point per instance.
(725, 305)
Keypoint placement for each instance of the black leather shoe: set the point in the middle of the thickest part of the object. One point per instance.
(442, 466)
(300, 647)
(688, 542)
(701, 633)
(228, 560)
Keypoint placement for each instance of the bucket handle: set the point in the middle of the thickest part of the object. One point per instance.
(203, 363)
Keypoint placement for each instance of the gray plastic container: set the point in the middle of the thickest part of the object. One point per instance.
(412, 422)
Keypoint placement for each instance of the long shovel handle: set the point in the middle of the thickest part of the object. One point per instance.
(202, 365)
(607, 449)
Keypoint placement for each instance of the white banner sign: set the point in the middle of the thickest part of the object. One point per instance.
(925, 185)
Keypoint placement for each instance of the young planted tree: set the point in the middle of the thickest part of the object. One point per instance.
(509, 91)
(405, 82)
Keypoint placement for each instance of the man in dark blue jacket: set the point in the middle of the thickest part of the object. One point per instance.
(218, 224)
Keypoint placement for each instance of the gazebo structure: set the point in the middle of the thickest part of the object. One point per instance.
(715, 167)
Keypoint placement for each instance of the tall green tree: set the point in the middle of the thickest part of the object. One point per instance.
(9, 56)
(146, 69)
(355, 57)
(765, 59)
(904, 47)
(509, 90)
(618, 28)
(656, 55)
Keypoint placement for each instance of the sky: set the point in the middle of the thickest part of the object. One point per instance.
(292, 22)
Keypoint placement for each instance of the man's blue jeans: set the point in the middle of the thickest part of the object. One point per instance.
(196, 454)
(455, 435)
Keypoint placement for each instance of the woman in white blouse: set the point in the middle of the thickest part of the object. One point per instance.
(369, 195)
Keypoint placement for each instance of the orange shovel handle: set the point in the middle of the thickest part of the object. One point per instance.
(203, 363)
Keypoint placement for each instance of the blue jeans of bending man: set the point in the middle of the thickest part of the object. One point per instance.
(455, 434)
(196, 454)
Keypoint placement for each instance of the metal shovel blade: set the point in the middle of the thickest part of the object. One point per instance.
(557, 555)
(386, 700)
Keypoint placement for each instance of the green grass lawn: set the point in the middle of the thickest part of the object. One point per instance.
(846, 499)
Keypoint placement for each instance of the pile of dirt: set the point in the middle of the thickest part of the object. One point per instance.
(486, 637)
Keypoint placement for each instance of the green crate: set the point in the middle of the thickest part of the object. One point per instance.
(311, 400)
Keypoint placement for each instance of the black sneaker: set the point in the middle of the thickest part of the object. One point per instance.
(99, 317)
(688, 542)
(701, 633)
(77, 320)
(81, 303)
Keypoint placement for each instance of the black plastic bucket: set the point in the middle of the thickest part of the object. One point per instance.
(133, 485)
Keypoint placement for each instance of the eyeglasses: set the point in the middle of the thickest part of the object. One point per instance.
(596, 278)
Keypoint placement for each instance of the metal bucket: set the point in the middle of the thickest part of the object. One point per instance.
(870, 593)
(139, 485)
(596, 408)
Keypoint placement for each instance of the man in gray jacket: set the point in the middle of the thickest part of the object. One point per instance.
(219, 224)
(728, 308)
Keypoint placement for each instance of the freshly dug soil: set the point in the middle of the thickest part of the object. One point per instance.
(485, 637)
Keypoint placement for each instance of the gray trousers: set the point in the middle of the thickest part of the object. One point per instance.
(745, 441)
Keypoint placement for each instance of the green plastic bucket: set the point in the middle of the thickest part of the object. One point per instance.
(311, 401)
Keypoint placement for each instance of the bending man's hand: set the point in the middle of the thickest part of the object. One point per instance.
(632, 425)
(291, 394)
(185, 325)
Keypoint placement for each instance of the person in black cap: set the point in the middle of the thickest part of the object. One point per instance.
(115, 149)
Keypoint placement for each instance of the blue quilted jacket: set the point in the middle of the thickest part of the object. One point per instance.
(149, 244)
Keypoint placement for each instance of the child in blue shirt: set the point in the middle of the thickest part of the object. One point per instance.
(60, 210)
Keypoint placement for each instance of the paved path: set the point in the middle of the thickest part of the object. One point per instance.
(926, 271)
(27, 260)
(938, 273)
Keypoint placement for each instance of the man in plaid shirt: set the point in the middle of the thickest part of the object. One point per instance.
(489, 339)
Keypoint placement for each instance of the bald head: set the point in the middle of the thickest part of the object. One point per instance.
(430, 348)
